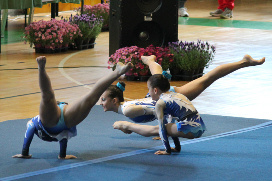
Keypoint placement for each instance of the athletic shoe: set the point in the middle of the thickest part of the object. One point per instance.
(216, 13)
(226, 14)
(182, 12)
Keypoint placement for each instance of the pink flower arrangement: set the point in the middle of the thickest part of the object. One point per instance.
(51, 34)
(133, 54)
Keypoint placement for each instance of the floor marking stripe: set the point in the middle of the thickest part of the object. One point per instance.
(61, 65)
(132, 153)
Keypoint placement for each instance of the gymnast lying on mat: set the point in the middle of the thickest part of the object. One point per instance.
(57, 121)
(143, 110)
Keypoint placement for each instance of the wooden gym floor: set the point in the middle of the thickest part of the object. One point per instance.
(245, 93)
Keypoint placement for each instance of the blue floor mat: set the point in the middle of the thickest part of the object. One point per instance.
(107, 154)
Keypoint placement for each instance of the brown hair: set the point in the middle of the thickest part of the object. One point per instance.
(159, 81)
(116, 92)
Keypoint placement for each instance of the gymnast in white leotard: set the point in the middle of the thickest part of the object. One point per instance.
(112, 99)
(191, 90)
(138, 110)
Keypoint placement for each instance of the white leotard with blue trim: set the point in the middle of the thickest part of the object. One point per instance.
(148, 106)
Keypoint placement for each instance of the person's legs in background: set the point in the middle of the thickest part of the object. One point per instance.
(219, 10)
(182, 11)
(229, 5)
(224, 9)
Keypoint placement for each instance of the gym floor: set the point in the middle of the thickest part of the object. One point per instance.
(245, 93)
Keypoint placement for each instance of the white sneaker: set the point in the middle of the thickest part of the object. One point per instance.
(182, 12)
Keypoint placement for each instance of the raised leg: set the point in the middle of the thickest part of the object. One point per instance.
(49, 110)
(194, 88)
(154, 67)
(78, 111)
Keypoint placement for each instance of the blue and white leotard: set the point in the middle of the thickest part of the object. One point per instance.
(148, 106)
(181, 109)
(60, 133)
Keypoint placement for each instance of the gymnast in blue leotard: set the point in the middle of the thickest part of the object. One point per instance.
(59, 133)
(58, 121)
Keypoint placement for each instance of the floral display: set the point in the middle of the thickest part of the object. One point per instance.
(51, 34)
(90, 26)
(99, 10)
(133, 54)
(191, 56)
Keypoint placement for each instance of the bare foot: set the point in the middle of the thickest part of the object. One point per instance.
(41, 62)
(253, 62)
(147, 59)
(121, 68)
(123, 126)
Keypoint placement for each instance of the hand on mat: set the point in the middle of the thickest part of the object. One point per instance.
(161, 153)
(156, 138)
(174, 150)
(21, 156)
(68, 157)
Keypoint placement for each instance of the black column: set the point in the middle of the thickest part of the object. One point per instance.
(0, 30)
(53, 10)
(82, 4)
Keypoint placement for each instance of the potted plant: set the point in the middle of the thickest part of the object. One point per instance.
(163, 55)
(90, 27)
(133, 54)
(99, 10)
(128, 54)
(48, 36)
(191, 58)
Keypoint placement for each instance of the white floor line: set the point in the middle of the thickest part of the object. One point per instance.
(61, 65)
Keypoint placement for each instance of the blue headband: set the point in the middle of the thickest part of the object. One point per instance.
(120, 87)
(166, 75)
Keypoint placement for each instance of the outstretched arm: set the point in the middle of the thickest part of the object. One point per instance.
(27, 141)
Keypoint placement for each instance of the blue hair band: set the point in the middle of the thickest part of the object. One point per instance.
(166, 75)
(120, 87)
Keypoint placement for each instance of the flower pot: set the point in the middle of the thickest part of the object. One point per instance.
(86, 41)
(105, 28)
(48, 50)
(175, 71)
(130, 78)
(92, 40)
(143, 72)
(65, 48)
(91, 43)
(78, 44)
(129, 73)
(38, 45)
